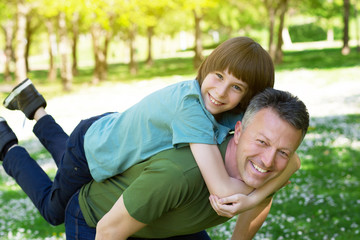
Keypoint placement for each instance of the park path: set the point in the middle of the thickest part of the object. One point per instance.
(322, 99)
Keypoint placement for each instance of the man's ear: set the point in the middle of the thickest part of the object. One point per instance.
(238, 130)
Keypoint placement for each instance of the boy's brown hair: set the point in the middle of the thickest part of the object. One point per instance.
(246, 60)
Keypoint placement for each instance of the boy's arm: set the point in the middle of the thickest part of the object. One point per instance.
(212, 168)
(117, 223)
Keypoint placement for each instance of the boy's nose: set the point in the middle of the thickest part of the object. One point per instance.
(221, 90)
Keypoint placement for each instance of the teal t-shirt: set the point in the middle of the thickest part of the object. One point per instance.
(170, 117)
(167, 192)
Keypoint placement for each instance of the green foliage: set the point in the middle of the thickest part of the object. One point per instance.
(307, 33)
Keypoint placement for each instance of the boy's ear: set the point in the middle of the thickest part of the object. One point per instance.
(238, 130)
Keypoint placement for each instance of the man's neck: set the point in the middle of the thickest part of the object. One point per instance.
(230, 160)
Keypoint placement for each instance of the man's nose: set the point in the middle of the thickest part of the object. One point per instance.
(269, 157)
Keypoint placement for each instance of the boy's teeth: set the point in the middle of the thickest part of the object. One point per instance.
(214, 101)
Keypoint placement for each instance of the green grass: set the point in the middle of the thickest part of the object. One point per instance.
(323, 200)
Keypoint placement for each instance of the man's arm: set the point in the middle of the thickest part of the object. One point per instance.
(117, 223)
(249, 222)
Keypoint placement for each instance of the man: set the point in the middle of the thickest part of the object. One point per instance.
(166, 195)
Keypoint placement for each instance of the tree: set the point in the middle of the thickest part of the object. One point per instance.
(64, 48)
(276, 9)
(324, 12)
(199, 9)
(346, 49)
(49, 12)
(33, 23)
(278, 51)
(20, 64)
(99, 18)
(154, 11)
(7, 13)
(49, 22)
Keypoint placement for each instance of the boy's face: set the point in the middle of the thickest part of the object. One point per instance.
(222, 92)
(264, 147)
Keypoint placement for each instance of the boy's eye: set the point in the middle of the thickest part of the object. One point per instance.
(219, 76)
(238, 88)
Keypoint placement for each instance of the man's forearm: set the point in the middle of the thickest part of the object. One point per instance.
(117, 224)
(249, 222)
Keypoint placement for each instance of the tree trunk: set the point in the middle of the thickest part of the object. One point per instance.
(95, 39)
(65, 70)
(100, 53)
(279, 52)
(271, 33)
(133, 68)
(20, 65)
(272, 8)
(8, 28)
(346, 49)
(357, 27)
(28, 41)
(52, 50)
(149, 60)
(198, 58)
(75, 29)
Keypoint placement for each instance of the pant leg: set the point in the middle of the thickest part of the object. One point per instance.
(50, 197)
(75, 224)
(31, 178)
(52, 137)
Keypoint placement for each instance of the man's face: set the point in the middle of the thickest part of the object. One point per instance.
(265, 147)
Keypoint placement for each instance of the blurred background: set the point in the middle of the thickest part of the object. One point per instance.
(91, 56)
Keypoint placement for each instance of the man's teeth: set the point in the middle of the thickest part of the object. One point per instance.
(259, 169)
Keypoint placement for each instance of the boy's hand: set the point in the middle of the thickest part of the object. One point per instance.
(232, 205)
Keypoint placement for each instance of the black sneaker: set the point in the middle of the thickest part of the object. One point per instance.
(26, 98)
(7, 137)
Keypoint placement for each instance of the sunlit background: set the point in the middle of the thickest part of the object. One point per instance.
(88, 57)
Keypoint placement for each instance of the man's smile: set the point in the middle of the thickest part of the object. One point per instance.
(259, 169)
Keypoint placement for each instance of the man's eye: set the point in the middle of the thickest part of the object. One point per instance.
(261, 142)
(284, 154)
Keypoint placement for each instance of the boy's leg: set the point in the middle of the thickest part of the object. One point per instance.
(49, 197)
(52, 137)
(26, 98)
(34, 182)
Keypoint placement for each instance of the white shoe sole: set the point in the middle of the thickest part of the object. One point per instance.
(16, 92)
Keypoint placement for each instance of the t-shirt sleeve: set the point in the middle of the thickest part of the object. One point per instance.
(160, 188)
(192, 125)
